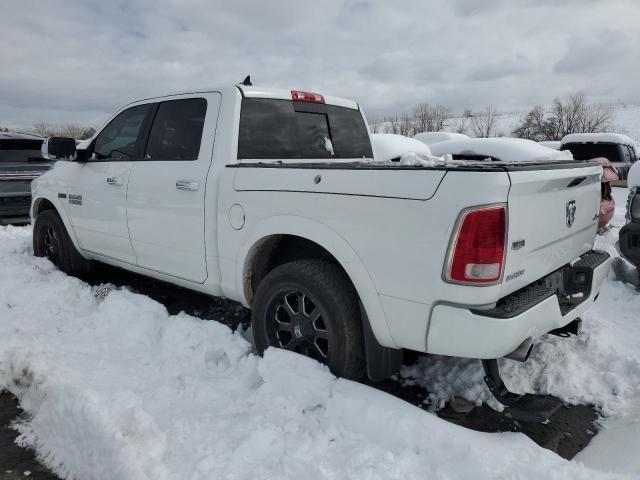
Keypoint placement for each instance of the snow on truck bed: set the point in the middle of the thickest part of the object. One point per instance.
(116, 388)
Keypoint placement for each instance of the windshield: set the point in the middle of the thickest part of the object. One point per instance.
(283, 129)
(19, 150)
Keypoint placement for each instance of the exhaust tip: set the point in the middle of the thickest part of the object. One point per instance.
(523, 352)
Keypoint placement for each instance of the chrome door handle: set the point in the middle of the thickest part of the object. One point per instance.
(114, 181)
(187, 185)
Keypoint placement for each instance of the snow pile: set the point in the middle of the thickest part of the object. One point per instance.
(388, 146)
(600, 367)
(117, 388)
(429, 138)
(416, 159)
(609, 450)
(503, 149)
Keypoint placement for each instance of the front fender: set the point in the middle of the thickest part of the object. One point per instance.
(334, 244)
(42, 191)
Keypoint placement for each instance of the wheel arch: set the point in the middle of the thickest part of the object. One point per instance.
(39, 204)
(267, 239)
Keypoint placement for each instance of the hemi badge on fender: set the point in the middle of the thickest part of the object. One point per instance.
(62, 195)
(518, 244)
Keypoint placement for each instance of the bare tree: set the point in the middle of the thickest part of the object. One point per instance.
(572, 115)
(533, 125)
(72, 130)
(406, 125)
(43, 129)
(483, 124)
(429, 118)
(393, 125)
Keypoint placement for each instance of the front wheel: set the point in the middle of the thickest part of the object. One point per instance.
(51, 240)
(310, 307)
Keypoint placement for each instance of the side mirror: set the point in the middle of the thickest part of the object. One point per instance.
(59, 148)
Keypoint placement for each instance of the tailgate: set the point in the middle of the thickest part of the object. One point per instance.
(552, 220)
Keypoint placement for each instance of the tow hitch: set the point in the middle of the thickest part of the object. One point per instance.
(527, 407)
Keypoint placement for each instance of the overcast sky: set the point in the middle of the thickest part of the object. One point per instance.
(76, 61)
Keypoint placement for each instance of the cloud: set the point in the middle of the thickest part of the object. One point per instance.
(78, 60)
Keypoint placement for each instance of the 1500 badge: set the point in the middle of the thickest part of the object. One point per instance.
(75, 199)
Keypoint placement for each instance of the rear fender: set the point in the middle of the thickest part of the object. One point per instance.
(336, 246)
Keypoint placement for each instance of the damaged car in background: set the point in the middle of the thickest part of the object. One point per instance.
(20, 162)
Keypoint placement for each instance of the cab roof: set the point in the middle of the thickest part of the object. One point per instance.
(251, 91)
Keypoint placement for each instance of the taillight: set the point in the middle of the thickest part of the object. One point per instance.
(299, 96)
(477, 251)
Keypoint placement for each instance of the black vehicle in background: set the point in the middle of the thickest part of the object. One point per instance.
(20, 162)
(618, 149)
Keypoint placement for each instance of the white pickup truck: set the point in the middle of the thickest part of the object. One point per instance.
(272, 198)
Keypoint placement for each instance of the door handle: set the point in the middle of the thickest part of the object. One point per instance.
(115, 181)
(187, 185)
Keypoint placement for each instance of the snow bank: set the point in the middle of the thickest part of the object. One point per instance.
(609, 450)
(503, 149)
(600, 367)
(117, 388)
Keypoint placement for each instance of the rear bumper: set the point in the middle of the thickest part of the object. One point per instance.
(527, 313)
(629, 243)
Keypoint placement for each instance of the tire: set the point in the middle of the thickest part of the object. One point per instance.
(328, 328)
(51, 240)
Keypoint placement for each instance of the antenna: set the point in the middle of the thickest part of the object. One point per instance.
(247, 81)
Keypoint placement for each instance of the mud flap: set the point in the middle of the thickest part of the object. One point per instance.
(382, 362)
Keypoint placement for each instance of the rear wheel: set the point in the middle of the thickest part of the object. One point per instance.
(51, 240)
(311, 308)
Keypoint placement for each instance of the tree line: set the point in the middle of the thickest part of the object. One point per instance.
(71, 130)
(572, 114)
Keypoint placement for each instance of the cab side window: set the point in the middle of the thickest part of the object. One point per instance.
(119, 140)
(176, 133)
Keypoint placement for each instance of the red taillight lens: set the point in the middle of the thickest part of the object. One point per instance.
(477, 254)
(299, 96)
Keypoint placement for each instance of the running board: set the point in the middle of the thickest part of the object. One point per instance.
(525, 408)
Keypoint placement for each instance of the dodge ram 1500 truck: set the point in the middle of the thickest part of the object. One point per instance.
(273, 198)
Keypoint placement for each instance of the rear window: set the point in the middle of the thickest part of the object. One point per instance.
(283, 129)
(587, 151)
(177, 130)
(20, 150)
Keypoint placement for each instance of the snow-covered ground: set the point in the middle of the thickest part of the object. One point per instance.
(117, 388)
